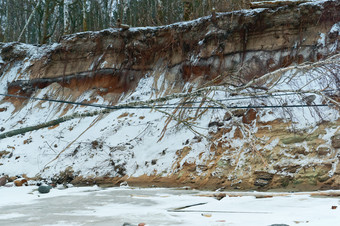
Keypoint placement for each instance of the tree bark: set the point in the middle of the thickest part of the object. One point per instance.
(28, 21)
(45, 22)
(84, 16)
(67, 25)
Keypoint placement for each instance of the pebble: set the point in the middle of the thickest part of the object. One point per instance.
(2, 181)
(44, 189)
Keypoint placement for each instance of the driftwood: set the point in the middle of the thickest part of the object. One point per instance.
(334, 193)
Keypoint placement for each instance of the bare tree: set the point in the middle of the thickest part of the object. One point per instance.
(28, 21)
(67, 25)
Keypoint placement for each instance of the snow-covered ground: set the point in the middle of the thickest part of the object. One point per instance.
(160, 206)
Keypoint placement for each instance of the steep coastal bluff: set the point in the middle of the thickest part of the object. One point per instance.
(246, 99)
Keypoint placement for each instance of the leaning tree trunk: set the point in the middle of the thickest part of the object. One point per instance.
(67, 25)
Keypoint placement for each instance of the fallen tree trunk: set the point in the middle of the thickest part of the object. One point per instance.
(50, 123)
(271, 194)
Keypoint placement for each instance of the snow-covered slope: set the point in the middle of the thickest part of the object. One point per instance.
(234, 102)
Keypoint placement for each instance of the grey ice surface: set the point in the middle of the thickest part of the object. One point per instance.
(81, 209)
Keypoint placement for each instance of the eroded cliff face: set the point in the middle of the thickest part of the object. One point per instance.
(246, 43)
(256, 148)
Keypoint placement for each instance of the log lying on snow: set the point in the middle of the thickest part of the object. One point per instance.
(335, 193)
(275, 4)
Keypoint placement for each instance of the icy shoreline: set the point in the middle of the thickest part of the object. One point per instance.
(161, 206)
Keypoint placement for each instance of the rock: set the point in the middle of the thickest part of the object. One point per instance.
(334, 207)
(298, 150)
(202, 167)
(238, 133)
(43, 189)
(28, 141)
(191, 167)
(323, 151)
(227, 116)
(124, 184)
(2, 181)
(263, 179)
(17, 183)
(11, 179)
(20, 182)
(249, 117)
(197, 139)
(309, 99)
(261, 182)
(24, 182)
(215, 123)
(292, 168)
(141, 224)
(94, 144)
(336, 141)
(220, 196)
(3, 153)
(127, 224)
(238, 112)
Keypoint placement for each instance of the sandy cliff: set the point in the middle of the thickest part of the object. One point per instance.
(235, 140)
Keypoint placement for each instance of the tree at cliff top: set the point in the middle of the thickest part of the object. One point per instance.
(45, 21)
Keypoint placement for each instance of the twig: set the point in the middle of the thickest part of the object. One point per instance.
(92, 124)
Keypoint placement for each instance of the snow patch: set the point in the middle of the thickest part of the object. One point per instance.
(335, 28)
(322, 39)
